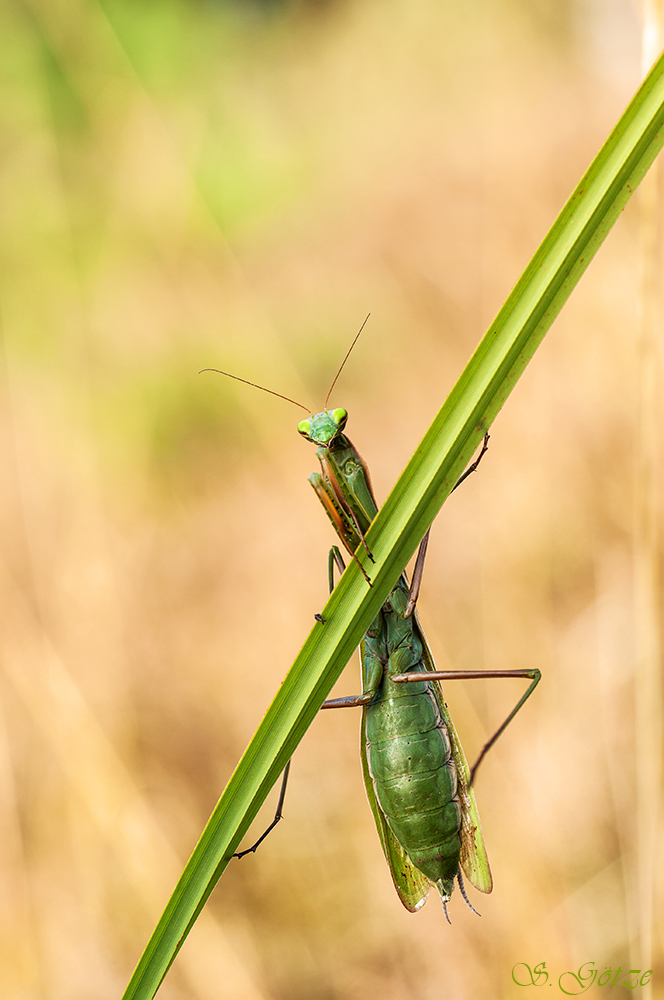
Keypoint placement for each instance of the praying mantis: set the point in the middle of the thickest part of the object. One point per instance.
(417, 779)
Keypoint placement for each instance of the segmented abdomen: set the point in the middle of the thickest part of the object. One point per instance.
(414, 776)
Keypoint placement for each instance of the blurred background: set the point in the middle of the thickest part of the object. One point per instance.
(228, 183)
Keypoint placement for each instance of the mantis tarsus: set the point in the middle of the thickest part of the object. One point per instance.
(416, 776)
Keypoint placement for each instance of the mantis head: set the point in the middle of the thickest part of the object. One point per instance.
(323, 428)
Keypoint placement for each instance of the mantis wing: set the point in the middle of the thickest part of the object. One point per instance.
(473, 858)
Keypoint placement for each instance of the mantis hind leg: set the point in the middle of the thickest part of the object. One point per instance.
(464, 675)
(277, 816)
(535, 677)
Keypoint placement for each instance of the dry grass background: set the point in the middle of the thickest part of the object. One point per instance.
(237, 185)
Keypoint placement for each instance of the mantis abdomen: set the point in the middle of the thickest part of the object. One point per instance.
(409, 752)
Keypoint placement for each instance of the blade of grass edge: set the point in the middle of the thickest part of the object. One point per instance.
(457, 430)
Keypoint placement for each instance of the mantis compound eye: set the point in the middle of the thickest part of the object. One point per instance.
(304, 427)
(340, 417)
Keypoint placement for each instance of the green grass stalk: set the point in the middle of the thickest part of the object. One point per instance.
(483, 387)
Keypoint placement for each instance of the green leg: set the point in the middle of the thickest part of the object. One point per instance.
(375, 670)
(353, 700)
(334, 559)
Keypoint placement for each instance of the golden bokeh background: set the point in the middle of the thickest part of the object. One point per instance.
(192, 183)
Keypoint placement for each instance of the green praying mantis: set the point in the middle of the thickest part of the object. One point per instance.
(417, 779)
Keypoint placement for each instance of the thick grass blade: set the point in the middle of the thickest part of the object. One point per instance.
(417, 497)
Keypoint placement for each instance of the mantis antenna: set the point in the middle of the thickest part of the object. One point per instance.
(348, 353)
(287, 398)
(256, 386)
